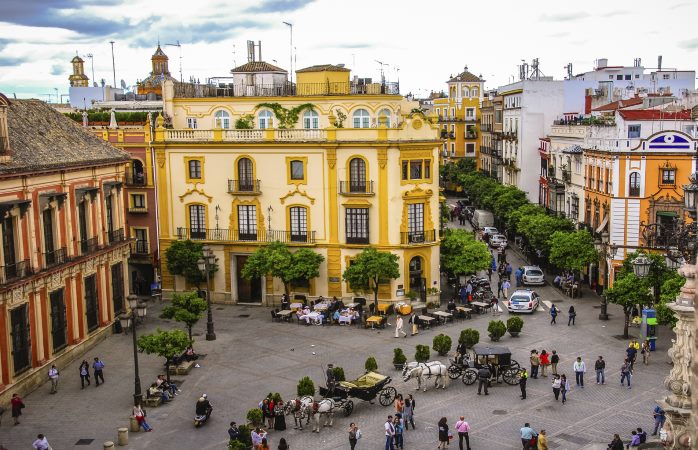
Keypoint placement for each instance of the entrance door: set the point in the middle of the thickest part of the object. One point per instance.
(249, 291)
(58, 324)
(91, 306)
(418, 283)
(117, 288)
(19, 321)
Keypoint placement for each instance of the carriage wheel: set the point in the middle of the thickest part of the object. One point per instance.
(514, 364)
(454, 372)
(511, 376)
(348, 408)
(387, 395)
(469, 377)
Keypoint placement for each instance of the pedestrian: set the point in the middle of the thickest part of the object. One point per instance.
(535, 363)
(659, 419)
(413, 322)
(398, 327)
(554, 359)
(518, 275)
(507, 271)
(616, 443)
(443, 433)
(17, 407)
(571, 313)
(553, 313)
(600, 366)
(399, 404)
(544, 362)
(399, 427)
(564, 387)
(234, 432)
(499, 286)
(139, 414)
(354, 435)
(98, 367)
(505, 288)
(625, 372)
(330, 379)
(463, 428)
(556, 386)
(283, 445)
(642, 434)
(522, 383)
(389, 434)
(646, 352)
(634, 440)
(41, 443)
(527, 434)
(84, 373)
(542, 440)
(264, 445)
(483, 375)
(631, 354)
(579, 369)
(53, 377)
(408, 412)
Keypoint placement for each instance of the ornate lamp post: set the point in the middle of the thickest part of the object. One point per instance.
(607, 252)
(130, 320)
(205, 264)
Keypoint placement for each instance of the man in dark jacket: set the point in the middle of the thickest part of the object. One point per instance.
(483, 375)
(522, 383)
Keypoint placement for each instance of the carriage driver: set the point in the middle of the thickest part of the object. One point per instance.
(461, 351)
(329, 375)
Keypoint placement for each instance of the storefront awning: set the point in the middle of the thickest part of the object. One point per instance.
(667, 214)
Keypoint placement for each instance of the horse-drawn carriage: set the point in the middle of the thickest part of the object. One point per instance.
(367, 387)
(497, 358)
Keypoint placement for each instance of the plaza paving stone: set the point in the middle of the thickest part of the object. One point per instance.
(253, 356)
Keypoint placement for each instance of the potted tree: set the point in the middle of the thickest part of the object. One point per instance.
(470, 337)
(442, 344)
(422, 353)
(496, 329)
(305, 387)
(399, 359)
(371, 365)
(514, 325)
(254, 417)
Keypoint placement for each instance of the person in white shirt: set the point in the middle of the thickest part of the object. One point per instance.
(53, 376)
(389, 434)
(41, 443)
(579, 369)
(398, 327)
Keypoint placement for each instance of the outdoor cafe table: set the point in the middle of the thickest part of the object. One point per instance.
(481, 307)
(314, 317)
(374, 320)
(284, 314)
(443, 315)
(427, 320)
(320, 306)
(466, 311)
(295, 306)
(345, 319)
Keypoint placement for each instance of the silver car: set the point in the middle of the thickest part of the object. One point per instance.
(523, 301)
(498, 240)
(532, 275)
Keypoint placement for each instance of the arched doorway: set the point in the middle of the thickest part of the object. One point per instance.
(137, 173)
(418, 283)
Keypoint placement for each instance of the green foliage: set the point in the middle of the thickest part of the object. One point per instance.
(338, 373)
(462, 254)
(628, 291)
(181, 258)
(341, 117)
(399, 357)
(412, 295)
(255, 417)
(276, 397)
(470, 336)
(573, 250)
(236, 445)
(369, 267)
(166, 344)
(245, 435)
(515, 324)
(441, 344)
(496, 329)
(245, 122)
(187, 308)
(305, 387)
(526, 210)
(658, 271)
(371, 365)
(671, 288)
(287, 118)
(276, 259)
(422, 353)
(538, 229)
(105, 116)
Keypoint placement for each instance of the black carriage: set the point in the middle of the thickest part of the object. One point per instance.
(499, 361)
(367, 387)
(462, 368)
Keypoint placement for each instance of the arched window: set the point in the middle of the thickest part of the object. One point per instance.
(265, 120)
(634, 185)
(311, 120)
(245, 175)
(465, 92)
(385, 113)
(357, 175)
(362, 119)
(221, 119)
(474, 92)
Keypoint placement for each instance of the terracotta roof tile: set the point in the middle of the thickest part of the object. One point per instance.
(620, 104)
(41, 138)
(257, 66)
(467, 77)
(655, 114)
(324, 68)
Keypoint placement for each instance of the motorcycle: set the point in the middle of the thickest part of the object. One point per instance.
(200, 419)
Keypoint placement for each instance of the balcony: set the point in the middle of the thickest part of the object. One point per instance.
(225, 87)
(486, 127)
(55, 258)
(88, 246)
(471, 135)
(16, 271)
(361, 188)
(449, 119)
(244, 187)
(233, 235)
(138, 209)
(140, 247)
(135, 179)
(115, 236)
(364, 240)
(470, 118)
(417, 237)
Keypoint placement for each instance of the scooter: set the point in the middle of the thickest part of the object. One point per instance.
(200, 419)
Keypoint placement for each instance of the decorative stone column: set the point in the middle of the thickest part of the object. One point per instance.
(677, 405)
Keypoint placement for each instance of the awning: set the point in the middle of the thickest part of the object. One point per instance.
(7, 206)
(604, 222)
(667, 214)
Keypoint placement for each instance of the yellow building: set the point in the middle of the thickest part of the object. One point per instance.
(327, 163)
(459, 115)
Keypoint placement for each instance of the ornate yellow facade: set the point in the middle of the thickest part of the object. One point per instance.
(349, 169)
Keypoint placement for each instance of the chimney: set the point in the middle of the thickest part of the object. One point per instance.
(659, 62)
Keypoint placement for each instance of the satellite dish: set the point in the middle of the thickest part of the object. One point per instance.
(123, 85)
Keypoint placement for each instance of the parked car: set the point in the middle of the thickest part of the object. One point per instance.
(482, 218)
(491, 231)
(523, 301)
(497, 240)
(533, 275)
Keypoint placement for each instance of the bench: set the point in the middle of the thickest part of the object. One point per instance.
(182, 368)
(152, 402)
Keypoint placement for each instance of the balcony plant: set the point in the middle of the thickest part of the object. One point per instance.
(341, 117)
(245, 122)
(514, 325)
(286, 118)
(399, 358)
(496, 329)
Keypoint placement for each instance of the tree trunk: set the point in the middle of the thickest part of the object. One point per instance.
(167, 369)
(627, 323)
(191, 340)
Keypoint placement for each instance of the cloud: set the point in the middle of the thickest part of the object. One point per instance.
(6, 61)
(564, 17)
(345, 45)
(618, 12)
(272, 6)
(559, 35)
(691, 44)
(206, 32)
(57, 69)
(680, 5)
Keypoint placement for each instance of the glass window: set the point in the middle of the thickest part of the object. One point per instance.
(415, 220)
(385, 113)
(247, 222)
(245, 175)
(357, 226)
(311, 120)
(634, 185)
(197, 221)
(297, 170)
(221, 119)
(406, 170)
(416, 169)
(138, 200)
(668, 176)
(633, 131)
(299, 224)
(191, 123)
(194, 169)
(357, 175)
(265, 119)
(362, 119)
(474, 92)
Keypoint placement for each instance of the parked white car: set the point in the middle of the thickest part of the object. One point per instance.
(533, 275)
(498, 240)
(491, 231)
(523, 301)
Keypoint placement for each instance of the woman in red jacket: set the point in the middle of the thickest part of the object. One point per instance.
(544, 362)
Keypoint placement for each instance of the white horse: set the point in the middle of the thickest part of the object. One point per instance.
(413, 364)
(301, 409)
(325, 408)
(422, 372)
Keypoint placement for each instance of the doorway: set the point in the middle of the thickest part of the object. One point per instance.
(418, 283)
(248, 291)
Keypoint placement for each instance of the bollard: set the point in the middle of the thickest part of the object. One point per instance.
(123, 436)
(109, 445)
(134, 425)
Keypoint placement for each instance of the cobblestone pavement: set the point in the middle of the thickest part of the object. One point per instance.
(253, 356)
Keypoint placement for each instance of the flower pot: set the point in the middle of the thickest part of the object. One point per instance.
(398, 366)
(514, 333)
(494, 338)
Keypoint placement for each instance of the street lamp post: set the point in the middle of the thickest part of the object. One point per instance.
(607, 251)
(137, 310)
(205, 264)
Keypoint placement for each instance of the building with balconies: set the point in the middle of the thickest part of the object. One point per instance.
(327, 162)
(64, 249)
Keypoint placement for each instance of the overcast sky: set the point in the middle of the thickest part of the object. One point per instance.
(427, 41)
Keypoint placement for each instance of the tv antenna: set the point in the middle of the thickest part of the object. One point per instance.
(181, 78)
(92, 63)
(382, 73)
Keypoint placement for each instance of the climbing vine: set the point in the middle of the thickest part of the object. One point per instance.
(245, 122)
(341, 117)
(287, 118)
